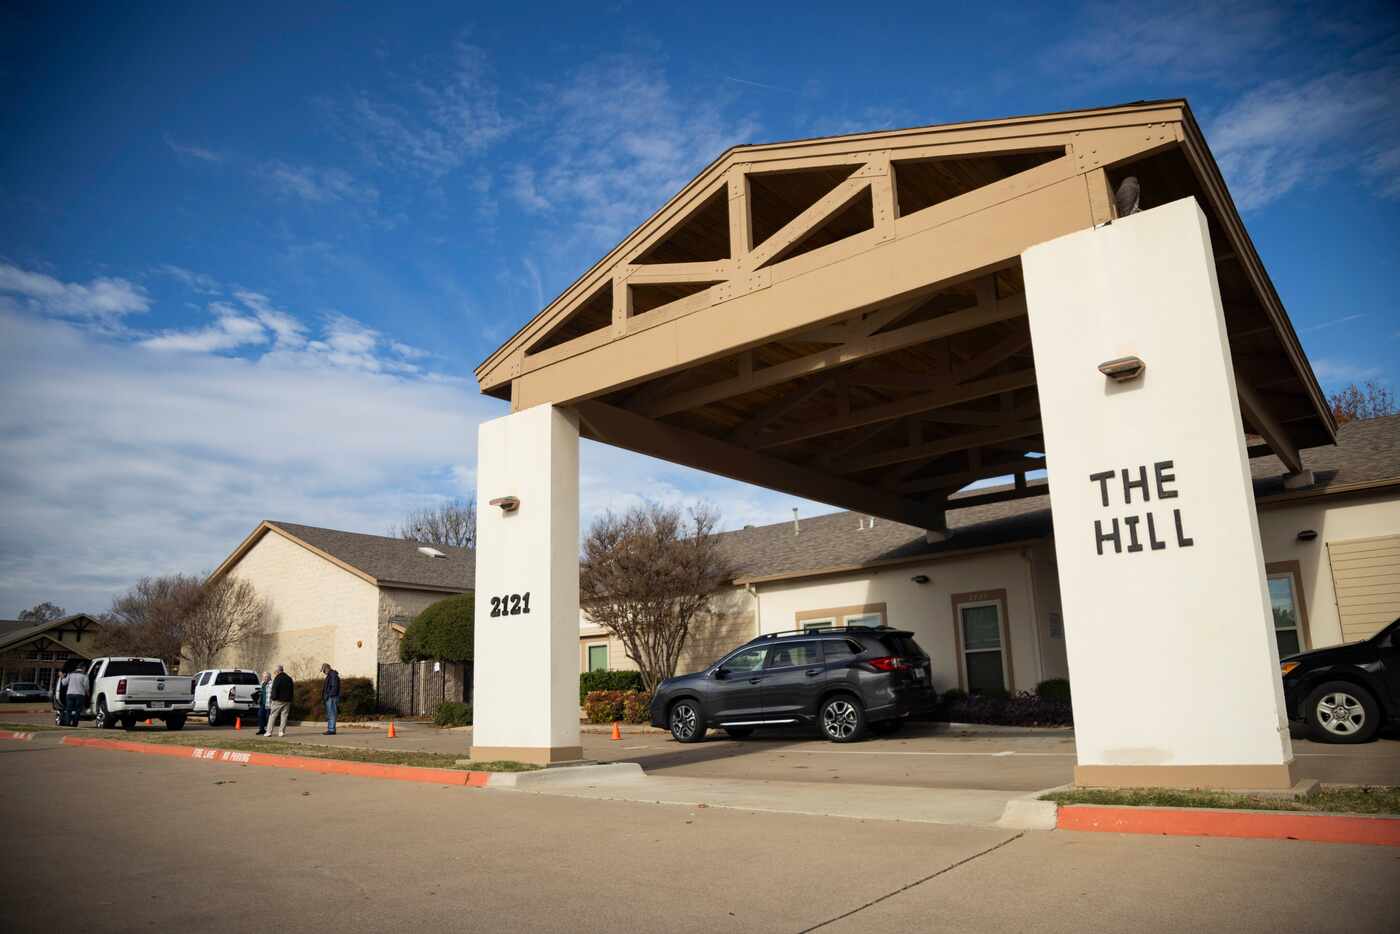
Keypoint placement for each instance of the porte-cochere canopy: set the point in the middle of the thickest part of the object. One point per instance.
(844, 318)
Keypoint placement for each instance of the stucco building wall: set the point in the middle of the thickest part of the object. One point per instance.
(318, 612)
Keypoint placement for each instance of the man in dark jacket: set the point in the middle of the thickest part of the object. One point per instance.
(330, 695)
(281, 702)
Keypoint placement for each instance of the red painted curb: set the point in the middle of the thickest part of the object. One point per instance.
(402, 773)
(1209, 822)
(11, 734)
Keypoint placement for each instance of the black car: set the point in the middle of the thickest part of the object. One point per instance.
(1345, 693)
(846, 680)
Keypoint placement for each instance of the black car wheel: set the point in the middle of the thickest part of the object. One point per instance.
(739, 732)
(687, 724)
(886, 727)
(213, 712)
(843, 719)
(1341, 712)
(102, 719)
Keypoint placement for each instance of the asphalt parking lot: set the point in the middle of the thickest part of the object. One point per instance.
(114, 841)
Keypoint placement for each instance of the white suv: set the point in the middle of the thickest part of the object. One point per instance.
(225, 692)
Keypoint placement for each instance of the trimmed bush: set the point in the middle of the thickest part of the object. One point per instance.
(1053, 689)
(608, 681)
(442, 632)
(356, 699)
(1022, 709)
(453, 713)
(636, 707)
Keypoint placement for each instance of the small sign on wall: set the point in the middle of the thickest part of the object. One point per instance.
(1147, 530)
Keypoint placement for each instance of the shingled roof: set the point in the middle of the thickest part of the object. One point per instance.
(1366, 456)
(384, 561)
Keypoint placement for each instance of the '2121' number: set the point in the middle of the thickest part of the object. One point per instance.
(511, 604)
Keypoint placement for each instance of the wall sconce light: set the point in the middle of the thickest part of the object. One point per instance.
(507, 503)
(1123, 369)
(920, 578)
(1307, 535)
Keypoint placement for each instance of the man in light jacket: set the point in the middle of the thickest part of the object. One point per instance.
(76, 685)
(330, 695)
(281, 702)
(264, 702)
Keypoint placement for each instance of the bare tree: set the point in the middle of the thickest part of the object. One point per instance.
(45, 612)
(647, 575)
(1359, 402)
(451, 523)
(228, 613)
(148, 619)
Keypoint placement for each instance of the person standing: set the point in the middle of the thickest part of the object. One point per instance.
(330, 695)
(281, 702)
(264, 702)
(75, 683)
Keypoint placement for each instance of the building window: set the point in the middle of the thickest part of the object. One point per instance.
(984, 644)
(598, 657)
(1286, 601)
(870, 614)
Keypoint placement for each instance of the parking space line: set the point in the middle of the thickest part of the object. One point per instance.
(894, 752)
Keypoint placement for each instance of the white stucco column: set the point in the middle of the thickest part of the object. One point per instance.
(525, 692)
(1172, 659)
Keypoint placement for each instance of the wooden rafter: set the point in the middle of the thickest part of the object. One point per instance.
(931, 449)
(956, 480)
(1262, 419)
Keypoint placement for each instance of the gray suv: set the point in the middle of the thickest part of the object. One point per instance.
(848, 681)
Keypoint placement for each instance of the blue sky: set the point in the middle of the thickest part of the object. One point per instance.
(249, 255)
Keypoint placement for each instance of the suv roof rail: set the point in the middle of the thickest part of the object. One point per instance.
(818, 632)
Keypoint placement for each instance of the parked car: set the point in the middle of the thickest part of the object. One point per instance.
(1345, 693)
(20, 692)
(848, 681)
(223, 693)
(125, 690)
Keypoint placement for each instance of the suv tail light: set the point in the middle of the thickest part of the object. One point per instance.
(888, 663)
(230, 695)
(121, 687)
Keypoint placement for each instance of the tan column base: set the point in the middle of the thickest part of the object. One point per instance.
(1234, 777)
(534, 755)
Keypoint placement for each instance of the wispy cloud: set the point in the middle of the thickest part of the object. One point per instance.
(194, 281)
(317, 184)
(104, 299)
(1282, 134)
(193, 151)
(1333, 370)
(1335, 322)
(229, 331)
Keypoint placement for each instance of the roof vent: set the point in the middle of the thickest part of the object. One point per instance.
(431, 552)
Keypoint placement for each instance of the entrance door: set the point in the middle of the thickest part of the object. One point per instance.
(792, 680)
(736, 687)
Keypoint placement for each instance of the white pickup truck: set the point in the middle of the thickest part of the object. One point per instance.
(125, 690)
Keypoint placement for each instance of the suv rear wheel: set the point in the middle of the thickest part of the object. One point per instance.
(687, 724)
(843, 719)
(213, 712)
(1341, 712)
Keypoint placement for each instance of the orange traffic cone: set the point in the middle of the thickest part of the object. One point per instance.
(392, 734)
(238, 723)
(617, 730)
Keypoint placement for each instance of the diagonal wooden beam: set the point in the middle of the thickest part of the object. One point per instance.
(797, 228)
(960, 479)
(624, 429)
(914, 405)
(1009, 346)
(864, 348)
(952, 416)
(931, 449)
(1262, 419)
(780, 407)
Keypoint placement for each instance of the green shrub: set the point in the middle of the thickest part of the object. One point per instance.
(453, 713)
(442, 632)
(608, 681)
(356, 699)
(603, 706)
(1053, 689)
(636, 707)
(1024, 709)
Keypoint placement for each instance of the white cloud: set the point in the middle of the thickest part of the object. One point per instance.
(1335, 371)
(102, 299)
(1284, 133)
(317, 184)
(290, 332)
(229, 331)
(194, 281)
(190, 150)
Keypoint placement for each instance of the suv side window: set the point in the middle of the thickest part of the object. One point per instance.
(794, 655)
(205, 680)
(837, 649)
(747, 660)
